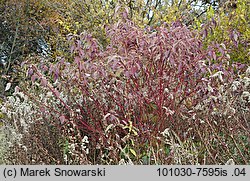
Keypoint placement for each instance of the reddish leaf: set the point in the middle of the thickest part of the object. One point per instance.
(45, 68)
(56, 73)
(62, 119)
(133, 70)
(30, 72)
(72, 48)
(127, 74)
(221, 51)
(42, 109)
(214, 55)
(44, 82)
(34, 77)
(56, 93)
(77, 60)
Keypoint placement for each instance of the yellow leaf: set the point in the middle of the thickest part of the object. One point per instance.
(132, 151)
(132, 142)
(118, 72)
(135, 132)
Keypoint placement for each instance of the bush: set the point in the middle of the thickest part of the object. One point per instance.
(151, 97)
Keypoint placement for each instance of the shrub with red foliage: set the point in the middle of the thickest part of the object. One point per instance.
(144, 82)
